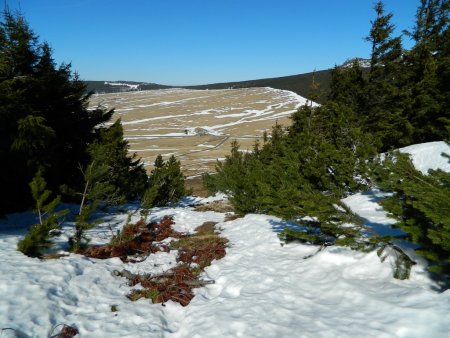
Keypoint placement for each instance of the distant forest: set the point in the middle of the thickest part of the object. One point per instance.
(301, 84)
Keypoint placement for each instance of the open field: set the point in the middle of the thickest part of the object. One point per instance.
(197, 126)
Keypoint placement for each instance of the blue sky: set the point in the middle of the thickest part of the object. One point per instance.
(183, 42)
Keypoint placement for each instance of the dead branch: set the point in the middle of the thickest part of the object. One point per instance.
(160, 278)
(129, 275)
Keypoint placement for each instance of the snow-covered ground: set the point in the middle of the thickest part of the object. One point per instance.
(262, 288)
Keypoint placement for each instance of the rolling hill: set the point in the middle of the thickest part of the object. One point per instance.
(299, 84)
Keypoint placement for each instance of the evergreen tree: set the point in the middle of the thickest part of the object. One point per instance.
(111, 177)
(18, 45)
(126, 173)
(38, 237)
(427, 68)
(97, 188)
(330, 145)
(44, 117)
(387, 98)
(166, 183)
(299, 174)
(385, 48)
(303, 171)
(421, 205)
(348, 86)
(443, 72)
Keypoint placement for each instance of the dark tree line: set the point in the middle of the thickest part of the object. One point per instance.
(53, 143)
(46, 125)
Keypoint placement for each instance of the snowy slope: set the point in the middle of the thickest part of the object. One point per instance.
(262, 289)
(425, 156)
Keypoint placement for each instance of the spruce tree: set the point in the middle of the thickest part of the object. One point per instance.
(348, 86)
(421, 205)
(18, 55)
(299, 174)
(166, 183)
(387, 98)
(111, 177)
(97, 188)
(175, 180)
(125, 172)
(427, 68)
(443, 71)
(44, 117)
(38, 237)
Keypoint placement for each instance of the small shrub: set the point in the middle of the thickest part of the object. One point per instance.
(166, 184)
(38, 237)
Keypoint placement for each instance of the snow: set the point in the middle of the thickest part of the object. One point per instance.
(427, 156)
(424, 156)
(263, 288)
(373, 215)
(363, 63)
(124, 84)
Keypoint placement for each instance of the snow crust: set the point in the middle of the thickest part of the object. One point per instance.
(262, 287)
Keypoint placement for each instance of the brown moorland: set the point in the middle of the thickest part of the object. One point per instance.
(197, 126)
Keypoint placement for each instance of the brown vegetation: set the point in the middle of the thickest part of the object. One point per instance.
(196, 252)
(196, 185)
(217, 206)
(136, 239)
(178, 121)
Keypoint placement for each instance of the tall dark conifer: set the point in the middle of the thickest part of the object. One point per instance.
(18, 56)
(45, 122)
(126, 173)
(386, 96)
(348, 87)
(427, 67)
(443, 71)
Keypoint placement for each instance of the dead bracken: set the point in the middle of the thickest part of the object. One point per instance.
(136, 240)
(196, 251)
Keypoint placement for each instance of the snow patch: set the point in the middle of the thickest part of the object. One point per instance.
(426, 156)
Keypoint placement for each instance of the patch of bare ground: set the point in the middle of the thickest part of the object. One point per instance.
(217, 206)
(195, 184)
(231, 217)
(195, 253)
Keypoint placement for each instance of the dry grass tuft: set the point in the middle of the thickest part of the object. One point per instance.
(196, 186)
(217, 206)
(207, 228)
(201, 248)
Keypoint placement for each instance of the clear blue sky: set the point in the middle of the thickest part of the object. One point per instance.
(182, 42)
